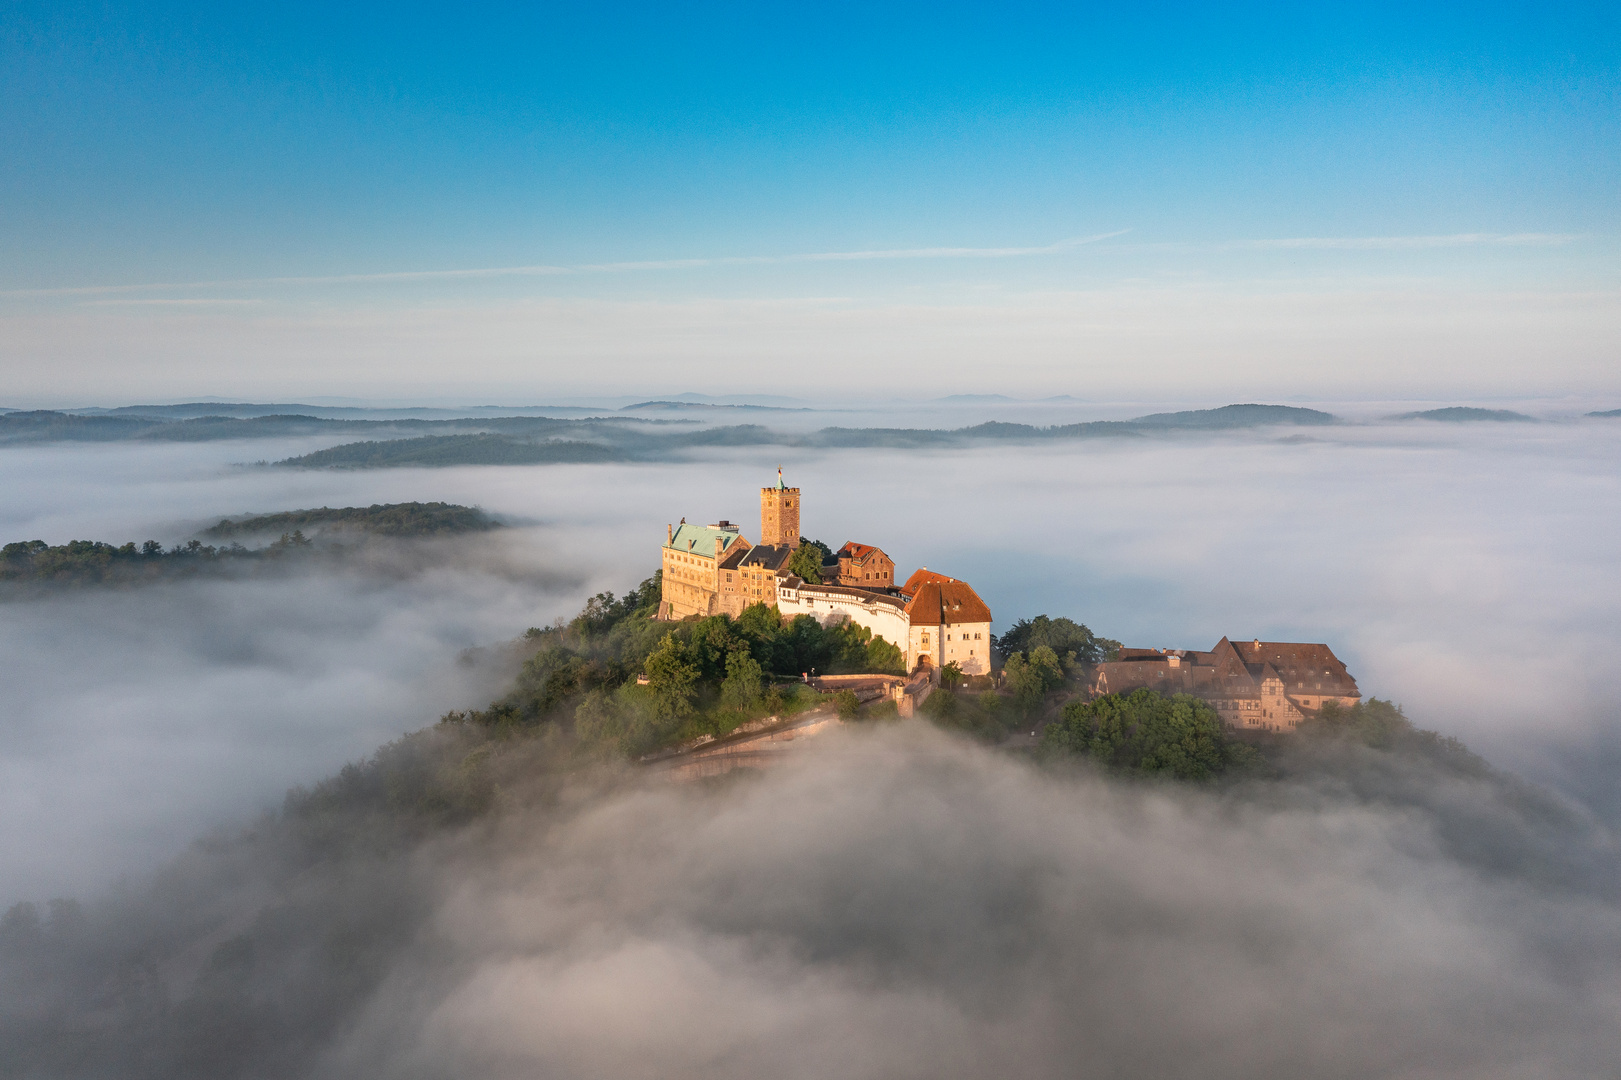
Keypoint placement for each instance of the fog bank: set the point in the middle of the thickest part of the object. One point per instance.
(1465, 572)
(889, 902)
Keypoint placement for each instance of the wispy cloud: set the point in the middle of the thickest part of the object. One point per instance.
(175, 302)
(546, 270)
(1400, 243)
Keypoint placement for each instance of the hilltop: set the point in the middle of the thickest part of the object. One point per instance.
(94, 562)
(1459, 414)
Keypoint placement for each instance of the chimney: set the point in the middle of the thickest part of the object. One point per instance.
(719, 544)
(670, 537)
(1257, 644)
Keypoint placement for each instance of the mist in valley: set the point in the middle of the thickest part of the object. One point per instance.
(893, 901)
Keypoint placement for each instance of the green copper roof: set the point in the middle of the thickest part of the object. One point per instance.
(700, 540)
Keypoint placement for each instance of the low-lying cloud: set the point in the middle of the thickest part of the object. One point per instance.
(887, 903)
(1461, 571)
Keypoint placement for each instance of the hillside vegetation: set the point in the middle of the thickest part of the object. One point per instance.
(95, 562)
(702, 676)
(390, 519)
(1460, 414)
(92, 562)
(441, 450)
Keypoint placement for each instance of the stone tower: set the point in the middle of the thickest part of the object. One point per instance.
(779, 514)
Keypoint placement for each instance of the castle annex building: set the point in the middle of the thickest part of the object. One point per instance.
(1260, 685)
(713, 570)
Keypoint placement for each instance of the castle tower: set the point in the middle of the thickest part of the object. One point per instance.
(779, 514)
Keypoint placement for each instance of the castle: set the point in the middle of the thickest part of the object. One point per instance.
(713, 570)
(1256, 685)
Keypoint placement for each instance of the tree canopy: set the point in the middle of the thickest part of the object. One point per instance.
(384, 519)
(1145, 733)
(703, 676)
(92, 562)
(1030, 678)
(1063, 636)
(806, 561)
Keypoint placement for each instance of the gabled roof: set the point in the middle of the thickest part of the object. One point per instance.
(769, 556)
(700, 540)
(919, 578)
(1230, 669)
(947, 601)
(1295, 662)
(858, 552)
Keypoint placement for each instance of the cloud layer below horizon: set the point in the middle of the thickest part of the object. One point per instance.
(1464, 571)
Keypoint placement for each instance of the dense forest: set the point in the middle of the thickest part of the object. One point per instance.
(94, 562)
(438, 450)
(381, 519)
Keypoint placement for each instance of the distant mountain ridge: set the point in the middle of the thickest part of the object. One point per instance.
(49, 426)
(596, 439)
(1237, 416)
(1461, 414)
(251, 410)
(709, 405)
(636, 444)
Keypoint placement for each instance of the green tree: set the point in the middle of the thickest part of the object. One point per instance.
(1145, 733)
(951, 675)
(1062, 636)
(806, 561)
(596, 721)
(672, 676)
(847, 703)
(1030, 678)
(744, 682)
(885, 657)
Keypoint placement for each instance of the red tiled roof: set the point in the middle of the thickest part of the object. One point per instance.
(945, 601)
(917, 580)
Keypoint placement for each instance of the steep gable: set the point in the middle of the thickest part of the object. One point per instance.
(1303, 667)
(950, 601)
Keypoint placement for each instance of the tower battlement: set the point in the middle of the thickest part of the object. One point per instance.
(779, 514)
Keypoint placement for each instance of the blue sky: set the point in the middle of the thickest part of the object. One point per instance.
(1470, 154)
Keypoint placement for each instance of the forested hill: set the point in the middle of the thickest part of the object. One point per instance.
(391, 519)
(436, 450)
(95, 562)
